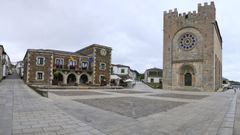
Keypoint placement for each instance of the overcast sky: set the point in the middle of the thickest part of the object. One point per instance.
(133, 28)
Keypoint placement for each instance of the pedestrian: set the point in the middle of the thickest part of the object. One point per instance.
(234, 90)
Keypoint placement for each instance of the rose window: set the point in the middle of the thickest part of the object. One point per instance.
(187, 41)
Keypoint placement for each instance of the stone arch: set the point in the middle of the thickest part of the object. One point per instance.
(58, 78)
(71, 79)
(72, 73)
(187, 67)
(84, 78)
(189, 28)
(187, 75)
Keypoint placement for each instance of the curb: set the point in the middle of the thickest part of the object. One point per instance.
(226, 128)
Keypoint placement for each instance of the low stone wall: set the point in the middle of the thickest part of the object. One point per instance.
(74, 87)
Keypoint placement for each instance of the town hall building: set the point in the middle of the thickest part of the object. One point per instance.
(192, 58)
(88, 66)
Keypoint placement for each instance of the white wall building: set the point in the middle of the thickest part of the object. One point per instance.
(123, 71)
(120, 69)
(133, 74)
(5, 64)
(20, 68)
(153, 75)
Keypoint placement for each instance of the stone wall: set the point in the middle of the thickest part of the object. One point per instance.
(99, 58)
(33, 68)
(1, 64)
(218, 59)
(201, 57)
(99, 54)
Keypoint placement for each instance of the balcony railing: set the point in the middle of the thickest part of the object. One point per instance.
(59, 66)
(71, 67)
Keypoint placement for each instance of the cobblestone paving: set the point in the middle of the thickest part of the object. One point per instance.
(35, 115)
(132, 106)
(184, 96)
(76, 93)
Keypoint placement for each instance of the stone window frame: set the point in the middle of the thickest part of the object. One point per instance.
(81, 61)
(73, 61)
(36, 77)
(100, 66)
(60, 60)
(80, 65)
(37, 58)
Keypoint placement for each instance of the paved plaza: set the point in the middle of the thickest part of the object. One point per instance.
(131, 106)
(137, 111)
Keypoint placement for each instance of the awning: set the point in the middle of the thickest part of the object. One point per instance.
(115, 77)
(128, 80)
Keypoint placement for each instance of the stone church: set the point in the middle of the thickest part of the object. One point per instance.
(192, 58)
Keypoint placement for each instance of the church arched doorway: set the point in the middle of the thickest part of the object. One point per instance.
(83, 79)
(188, 79)
(187, 75)
(71, 80)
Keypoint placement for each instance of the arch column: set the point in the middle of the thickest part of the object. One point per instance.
(65, 79)
(77, 79)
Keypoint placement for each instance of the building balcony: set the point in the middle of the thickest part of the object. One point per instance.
(72, 67)
(86, 69)
(59, 66)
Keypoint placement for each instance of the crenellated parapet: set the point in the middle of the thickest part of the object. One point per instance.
(207, 9)
(206, 5)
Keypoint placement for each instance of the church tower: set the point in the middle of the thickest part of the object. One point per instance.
(192, 50)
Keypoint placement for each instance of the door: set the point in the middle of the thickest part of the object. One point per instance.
(188, 79)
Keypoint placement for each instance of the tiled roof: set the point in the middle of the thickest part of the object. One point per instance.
(93, 45)
(55, 51)
(120, 65)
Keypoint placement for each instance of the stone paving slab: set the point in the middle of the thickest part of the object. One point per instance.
(200, 117)
(6, 106)
(184, 96)
(132, 106)
(77, 93)
(128, 91)
(36, 115)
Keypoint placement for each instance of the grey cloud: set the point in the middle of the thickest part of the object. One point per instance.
(133, 28)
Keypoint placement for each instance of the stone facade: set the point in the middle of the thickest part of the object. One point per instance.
(192, 57)
(90, 65)
(1, 64)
